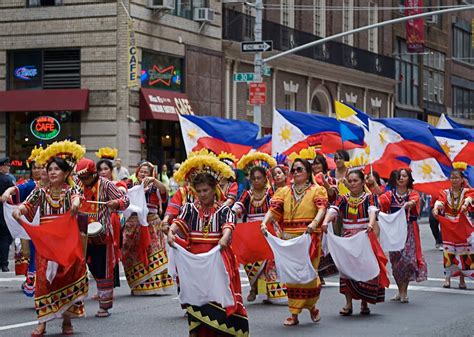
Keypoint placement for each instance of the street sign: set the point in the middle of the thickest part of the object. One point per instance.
(256, 46)
(267, 71)
(257, 93)
(244, 77)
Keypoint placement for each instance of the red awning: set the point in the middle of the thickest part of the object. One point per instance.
(163, 105)
(44, 100)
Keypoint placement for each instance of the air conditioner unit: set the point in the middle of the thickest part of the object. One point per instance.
(203, 15)
(161, 4)
(432, 19)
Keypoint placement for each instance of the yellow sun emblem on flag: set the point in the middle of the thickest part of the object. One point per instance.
(193, 133)
(446, 148)
(382, 137)
(285, 134)
(426, 170)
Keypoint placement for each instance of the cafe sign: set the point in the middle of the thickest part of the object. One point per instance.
(45, 127)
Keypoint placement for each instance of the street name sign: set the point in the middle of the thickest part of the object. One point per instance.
(244, 77)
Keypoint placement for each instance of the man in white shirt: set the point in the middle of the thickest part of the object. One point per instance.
(119, 171)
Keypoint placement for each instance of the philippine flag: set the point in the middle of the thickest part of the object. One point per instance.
(430, 176)
(264, 144)
(218, 134)
(294, 131)
(444, 122)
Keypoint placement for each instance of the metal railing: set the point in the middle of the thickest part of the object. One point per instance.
(238, 26)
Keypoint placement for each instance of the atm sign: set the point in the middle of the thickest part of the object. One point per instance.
(45, 127)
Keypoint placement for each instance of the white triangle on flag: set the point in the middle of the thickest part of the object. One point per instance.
(427, 171)
(378, 139)
(443, 123)
(452, 147)
(284, 134)
(191, 133)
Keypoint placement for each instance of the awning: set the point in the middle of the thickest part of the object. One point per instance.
(44, 100)
(163, 105)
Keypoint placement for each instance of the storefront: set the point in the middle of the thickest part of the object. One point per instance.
(162, 98)
(40, 117)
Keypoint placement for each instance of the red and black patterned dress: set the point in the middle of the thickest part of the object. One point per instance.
(355, 218)
(201, 232)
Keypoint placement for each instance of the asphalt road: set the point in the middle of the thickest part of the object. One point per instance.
(432, 311)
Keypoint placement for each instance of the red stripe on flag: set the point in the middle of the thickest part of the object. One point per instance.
(218, 146)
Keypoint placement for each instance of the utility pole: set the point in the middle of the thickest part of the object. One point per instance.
(257, 108)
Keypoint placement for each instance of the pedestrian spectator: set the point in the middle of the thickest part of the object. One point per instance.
(164, 177)
(173, 185)
(5, 237)
(120, 172)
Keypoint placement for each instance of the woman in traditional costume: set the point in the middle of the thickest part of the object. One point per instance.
(143, 254)
(298, 209)
(63, 295)
(407, 264)
(358, 210)
(229, 187)
(279, 173)
(203, 224)
(252, 206)
(25, 257)
(451, 203)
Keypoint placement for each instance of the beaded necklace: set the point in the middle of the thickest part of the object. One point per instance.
(354, 202)
(55, 198)
(455, 201)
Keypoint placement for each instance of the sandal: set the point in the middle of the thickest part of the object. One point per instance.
(38, 333)
(345, 311)
(290, 321)
(364, 311)
(396, 298)
(447, 284)
(404, 300)
(462, 286)
(102, 313)
(95, 297)
(67, 329)
(315, 316)
(252, 296)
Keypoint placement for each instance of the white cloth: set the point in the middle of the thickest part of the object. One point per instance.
(137, 204)
(393, 230)
(16, 230)
(353, 256)
(51, 271)
(202, 277)
(292, 259)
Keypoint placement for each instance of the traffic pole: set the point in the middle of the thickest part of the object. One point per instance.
(257, 108)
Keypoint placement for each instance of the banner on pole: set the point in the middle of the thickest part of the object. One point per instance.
(415, 28)
(132, 63)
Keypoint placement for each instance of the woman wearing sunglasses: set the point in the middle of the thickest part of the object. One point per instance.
(299, 208)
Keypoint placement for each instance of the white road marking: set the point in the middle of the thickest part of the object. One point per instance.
(19, 325)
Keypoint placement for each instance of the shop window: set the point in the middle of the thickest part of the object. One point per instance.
(164, 143)
(161, 71)
(26, 129)
(40, 3)
(44, 69)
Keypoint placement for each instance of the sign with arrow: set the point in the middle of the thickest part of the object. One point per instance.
(256, 46)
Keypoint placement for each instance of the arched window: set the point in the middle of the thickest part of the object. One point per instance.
(321, 101)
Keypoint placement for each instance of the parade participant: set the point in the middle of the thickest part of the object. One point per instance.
(374, 183)
(203, 224)
(149, 275)
(451, 203)
(322, 178)
(18, 194)
(100, 198)
(341, 157)
(229, 186)
(64, 295)
(407, 264)
(252, 206)
(279, 173)
(300, 208)
(105, 170)
(358, 210)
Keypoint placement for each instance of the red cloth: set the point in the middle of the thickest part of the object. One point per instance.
(418, 249)
(57, 238)
(144, 243)
(381, 259)
(249, 244)
(455, 231)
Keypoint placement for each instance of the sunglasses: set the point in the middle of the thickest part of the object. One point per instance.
(298, 169)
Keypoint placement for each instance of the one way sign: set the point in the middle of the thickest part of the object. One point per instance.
(256, 46)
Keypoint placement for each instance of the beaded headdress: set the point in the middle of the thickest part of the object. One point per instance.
(256, 159)
(227, 158)
(71, 152)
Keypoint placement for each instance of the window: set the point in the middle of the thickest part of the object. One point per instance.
(248, 23)
(373, 33)
(185, 8)
(39, 3)
(348, 20)
(407, 73)
(463, 102)
(433, 77)
(290, 101)
(462, 43)
(319, 28)
(288, 13)
(161, 71)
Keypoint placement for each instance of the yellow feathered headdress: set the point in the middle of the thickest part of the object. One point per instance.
(357, 163)
(227, 158)
(71, 152)
(107, 153)
(460, 166)
(198, 164)
(201, 152)
(307, 154)
(35, 153)
(256, 159)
